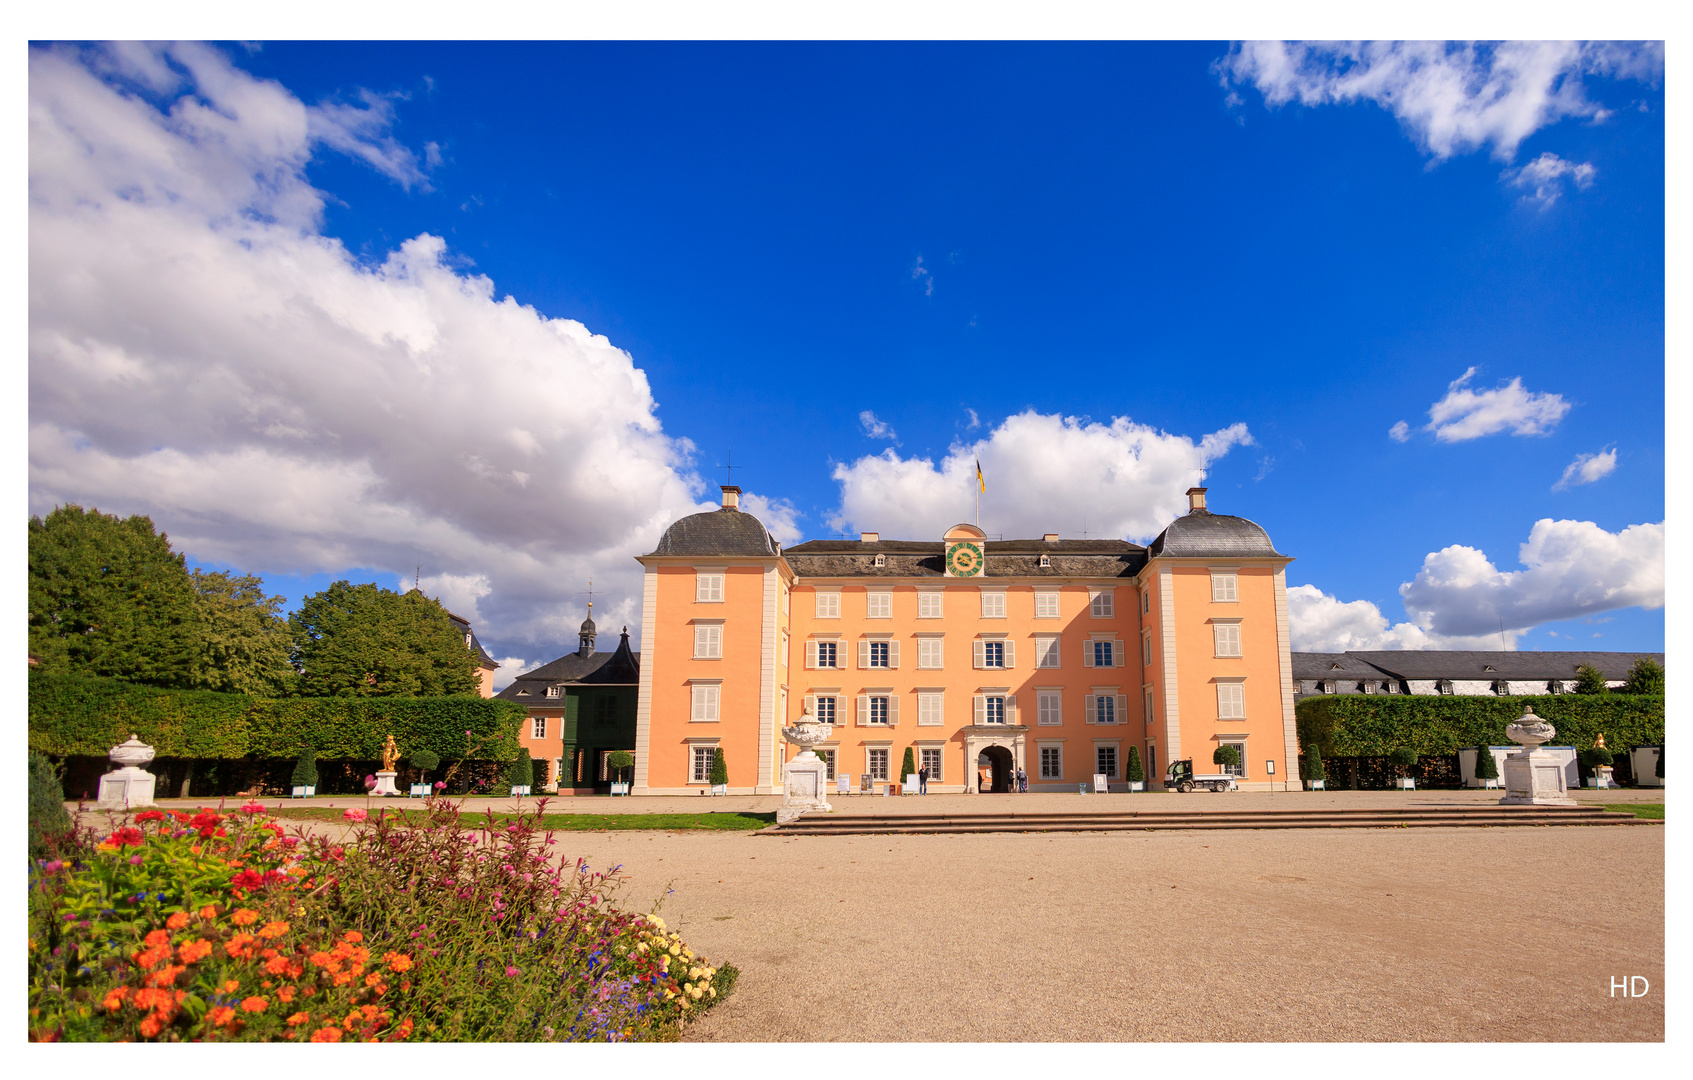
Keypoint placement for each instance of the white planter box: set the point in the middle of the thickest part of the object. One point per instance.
(1137, 785)
(1406, 784)
(620, 787)
(305, 792)
(720, 789)
(520, 790)
(1317, 785)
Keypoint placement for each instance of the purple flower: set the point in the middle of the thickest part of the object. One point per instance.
(512, 973)
(54, 867)
(369, 782)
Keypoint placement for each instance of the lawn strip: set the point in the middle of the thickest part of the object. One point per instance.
(1649, 811)
(716, 822)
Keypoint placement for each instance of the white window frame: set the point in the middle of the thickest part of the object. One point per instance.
(708, 640)
(1225, 638)
(705, 701)
(1114, 748)
(817, 709)
(555, 691)
(709, 584)
(538, 727)
(881, 560)
(814, 650)
(931, 652)
(879, 604)
(1149, 704)
(1056, 770)
(1102, 603)
(936, 755)
(828, 604)
(1237, 771)
(866, 708)
(1047, 604)
(931, 708)
(1231, 699)
(1048, 653)
(887, 763)
(931, 604)
(1225, 586)
(1049, 708)
(1114, 652)
(1146, 601)
(993, 603)
(867, 649)
(1008, 652)
(1146, 648)
(992, 704)
(699, 754)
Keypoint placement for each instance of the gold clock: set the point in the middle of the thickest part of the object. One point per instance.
(964, 559)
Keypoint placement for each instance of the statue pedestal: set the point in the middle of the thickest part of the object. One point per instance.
(804, 780)
(1535, 778)
(385, 784)
(127, 789)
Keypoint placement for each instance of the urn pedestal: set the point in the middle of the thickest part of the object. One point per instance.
(129, 786)
(1533, 777)
(385, 783)
(806, 777)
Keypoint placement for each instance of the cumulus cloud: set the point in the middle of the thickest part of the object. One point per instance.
(1400, 432)
(1465, 414)
(1044, 473)
(875, 428)
(1587, 468)
(1549, 176)
(779, 516)
(1450, 97)
(1318, 622)
(199, 351)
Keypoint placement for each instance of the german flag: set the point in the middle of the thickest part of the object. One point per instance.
(981, 484)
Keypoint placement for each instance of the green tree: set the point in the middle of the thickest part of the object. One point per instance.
(365, 641)
(1226, 754)
(1645, 677)
(619, 760)
(1486, 768)
(305, 769)
(1404, 760)
(909, 765)
(107, 596)
(1132, 768)
(424, 761)
(719, 768)
(243, 638)
(48, 818)
(1590, 680)
(1314, 763)
(522, 771)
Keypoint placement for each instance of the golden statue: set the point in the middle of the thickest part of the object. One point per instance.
(390, 754)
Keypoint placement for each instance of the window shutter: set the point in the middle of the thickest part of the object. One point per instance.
(1117, 654)
(863, 710)
(811, 654)
(981, 655)
(863, 654)
(1122, 708)
(893, 654)
(1087, 653)
(893, 709)
(981, 709)
(811, 705)
(1087, 709)
(1010, 653)
(1010, 709)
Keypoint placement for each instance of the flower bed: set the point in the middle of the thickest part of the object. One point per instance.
(213, 926)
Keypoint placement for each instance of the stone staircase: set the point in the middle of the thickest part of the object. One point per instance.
(1334, 818)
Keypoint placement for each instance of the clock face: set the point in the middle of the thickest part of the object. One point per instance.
(964, 559)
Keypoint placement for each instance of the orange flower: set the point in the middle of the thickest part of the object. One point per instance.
(193, 950)
(286, 994)
(397, 961)
(220, 1016)
(148, 957)
(245, 917)
(114, 1000)
(404, 1029)
(298, 1018)
(405, 986)
(177, 921)
(372, 979)
(253, 1004)
(240, 945)
(229, 987)
(320, 959)
(277, 965)
(352, 935)
(152, 1026)
(210, 911)
(274, 930)
(327, 1034)
(352, 1019)
(156, 938)
(165, 976)
(343, 979)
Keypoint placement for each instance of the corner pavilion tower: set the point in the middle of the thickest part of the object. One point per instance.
(983, 657)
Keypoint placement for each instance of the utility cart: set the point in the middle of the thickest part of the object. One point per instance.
(1181, 777)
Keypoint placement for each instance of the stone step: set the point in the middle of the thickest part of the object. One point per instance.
(1421, 817)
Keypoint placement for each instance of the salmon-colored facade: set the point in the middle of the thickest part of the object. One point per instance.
(983, 658)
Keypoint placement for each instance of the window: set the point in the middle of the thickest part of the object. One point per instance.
(1046, 605)
(708, 641)
(1367, 687)
(1105, 761)
(881, 561)
(1390, 687)
(1100, 603)
(1046, 651)
(995, 709)
(828, 757)
(605, 712)
(1502, 688)
(706, 701)
(1052, 763)
(876, 654)
(824, 705)
(993, 604)
(929, 605)
(1046, 562)
(708, 587)
(879, 605)
(824, 654)
(876, 762)
(538, 730)
(929, 653)
(1235, 770)
(1105, 708)
(1227, 635)
(1146, 649)
(1444, 686)
(1224, 588)
(1146, 601)
(1555, 687)
(554, 691)
(875, 709)
(828, 605)
(1231, 701)
(1049, 707)
(1328, 687)
(1103, 652)
(702, 763)
(930, 709)
(1149, 713)
(929, 757)
(993, 654)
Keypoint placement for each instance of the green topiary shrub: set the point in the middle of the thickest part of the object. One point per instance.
(1590, 680)
(719, 768)
(1226, 754)
(1314, 764)
(1645, 677)
(521, 773)
(620, 761)
(424, 761)
(305, 769)
(1132, 767)
(909, 765)
(48, 817)
(1596, 756)
(1486, 768)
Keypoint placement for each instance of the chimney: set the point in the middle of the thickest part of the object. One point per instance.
(869, 538)
(1050, 538)
(731, 497)
(1196, 500)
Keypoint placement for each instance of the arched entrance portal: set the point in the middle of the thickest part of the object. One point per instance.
(994, 770)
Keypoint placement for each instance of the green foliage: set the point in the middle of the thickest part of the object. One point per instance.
(1486, 767)
(1645, 677)
(48, 818)
(1368, 725)
(1404, 759)
(1590, 680)
(107, 596)
(537, 774)
(72, 715)
(424, 759)
(522, 771)
(305, 770)
(909, 765)
(1595, 756)
(365, 641)
(1226, 754)
(243, 640)
(719, 767)
(619, 761)
(1132, 768)
(1314, 763)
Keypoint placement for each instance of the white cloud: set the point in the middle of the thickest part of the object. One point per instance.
(779, 516)
(1400, 432)
(875, 428)
(1044, 473)
(513, 666)
(920, 273)
(1319, 622)
(975, 421)
(1587, 468)
(1546, 177)
(199, 351)
(1451, 97)
(1465, 414)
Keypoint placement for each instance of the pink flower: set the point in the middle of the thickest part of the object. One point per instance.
(369, 782)
(54, 867)
(512, 973)
(440, 785)
(354, 814)
(253, 808)
(135, 860)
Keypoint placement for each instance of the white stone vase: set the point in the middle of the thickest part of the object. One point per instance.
(805, 778)
(1533, 777)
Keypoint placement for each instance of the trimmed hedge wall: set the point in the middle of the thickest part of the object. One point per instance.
(1365, 725)
(73, 715)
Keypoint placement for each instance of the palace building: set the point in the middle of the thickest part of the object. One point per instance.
(983, 657)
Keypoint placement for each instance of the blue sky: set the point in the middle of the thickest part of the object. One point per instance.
(854, 266)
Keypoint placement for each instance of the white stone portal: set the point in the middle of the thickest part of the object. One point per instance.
(129, 786)
(805, 778)
(1533, 777)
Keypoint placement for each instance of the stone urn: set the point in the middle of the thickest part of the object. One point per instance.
(1533, 777)
(129, 786)
(805, 778)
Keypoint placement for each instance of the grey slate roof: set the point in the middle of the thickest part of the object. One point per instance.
(1526, 664)
(1005, 558)
(725, 531)
(1340, 666)
(1200, 534)
(620, 667)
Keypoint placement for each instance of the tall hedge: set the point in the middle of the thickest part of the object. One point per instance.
(1368, 725)
(70, 714)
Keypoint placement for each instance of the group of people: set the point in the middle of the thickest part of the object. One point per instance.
(984, 780)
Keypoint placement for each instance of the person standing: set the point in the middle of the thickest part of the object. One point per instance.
(923, 780)
(1022, 781)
